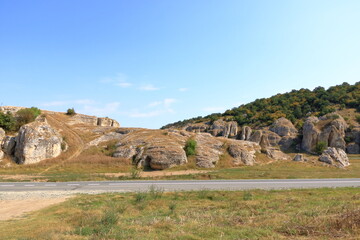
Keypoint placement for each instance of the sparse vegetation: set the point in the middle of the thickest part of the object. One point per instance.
(7, 121)
(70, 112)
(357, 118)
(320, 147)
(11, 123)
(190, 147)
(309, 214)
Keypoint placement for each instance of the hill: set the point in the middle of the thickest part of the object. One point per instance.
(295, 106)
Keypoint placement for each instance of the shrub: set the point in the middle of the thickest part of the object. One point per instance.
(70, 112)
(7, 121)
(190, 147)
(27, 115)
(357, 117)
(320, 147)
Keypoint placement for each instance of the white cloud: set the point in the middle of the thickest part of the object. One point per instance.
(183, 89)
(214, 109)
(148, 87)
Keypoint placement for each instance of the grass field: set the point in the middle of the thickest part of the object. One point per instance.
(286, 214)
(93, 167)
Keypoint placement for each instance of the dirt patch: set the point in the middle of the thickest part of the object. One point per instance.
(11, 209)
(23, 177)
(159, 173)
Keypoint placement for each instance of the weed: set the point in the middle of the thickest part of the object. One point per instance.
(247, 196)
(135, 173)
(155, 192)
(190, 147)
(140, 197)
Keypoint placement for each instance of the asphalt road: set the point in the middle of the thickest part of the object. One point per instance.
(134, 186)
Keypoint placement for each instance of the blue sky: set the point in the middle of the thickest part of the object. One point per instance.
(149, 63)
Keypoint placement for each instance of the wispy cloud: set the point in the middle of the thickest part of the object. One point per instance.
(120, 80)
(159, 108)
(183, 89)
(148, 87)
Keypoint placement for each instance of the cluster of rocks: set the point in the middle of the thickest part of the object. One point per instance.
(163, 149)
(331, 130)
(33, 143)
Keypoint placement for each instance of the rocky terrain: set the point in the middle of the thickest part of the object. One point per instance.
(55, 134)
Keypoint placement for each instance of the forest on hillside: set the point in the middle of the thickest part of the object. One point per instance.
(294, 105)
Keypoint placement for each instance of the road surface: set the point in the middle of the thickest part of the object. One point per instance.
(134, 186)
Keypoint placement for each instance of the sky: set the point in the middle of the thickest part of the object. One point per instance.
(149, 63)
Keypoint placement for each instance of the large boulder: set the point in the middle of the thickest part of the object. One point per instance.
(35, 142)
(284, 127)
(310, 134)
(2, 135)
(335, 156)
(243, 152)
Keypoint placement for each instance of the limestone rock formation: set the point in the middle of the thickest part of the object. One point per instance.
(2, 135)
(153, 148)
(245, 133)
(35, 142)
(335, 156)
(353, 137)
(327, 129)
(197, 127)
(284, 127)
(209, 149)
(220, 128)
(92, 121)
(8, 145)
(243, 152)
(107, 122)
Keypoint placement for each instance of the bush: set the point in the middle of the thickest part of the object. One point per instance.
(27, 115)
(70, 112)
(320, 147)
(190, 147)
(7, 121)
(357, 117)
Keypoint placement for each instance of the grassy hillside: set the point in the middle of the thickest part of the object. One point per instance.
(295, 106)
(287, 214)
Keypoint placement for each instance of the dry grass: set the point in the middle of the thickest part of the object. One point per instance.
(289, 214)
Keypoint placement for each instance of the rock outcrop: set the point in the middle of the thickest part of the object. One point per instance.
(220, 128)
(243, 152)
(153, 148)
(276, 154)
(92, 121)
(197, 127)
(327, 129)
(335, 156)
(35, 142)
(284, 127)
(8, 145)
(245, 133)
(208, 151)
(353, 138)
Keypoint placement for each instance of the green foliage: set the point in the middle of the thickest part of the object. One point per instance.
(190, 147)
(7, 121)
(320, 147)
(27, 115)
(357, 118)
(70, 112)
(134, 173)
(294, 105)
